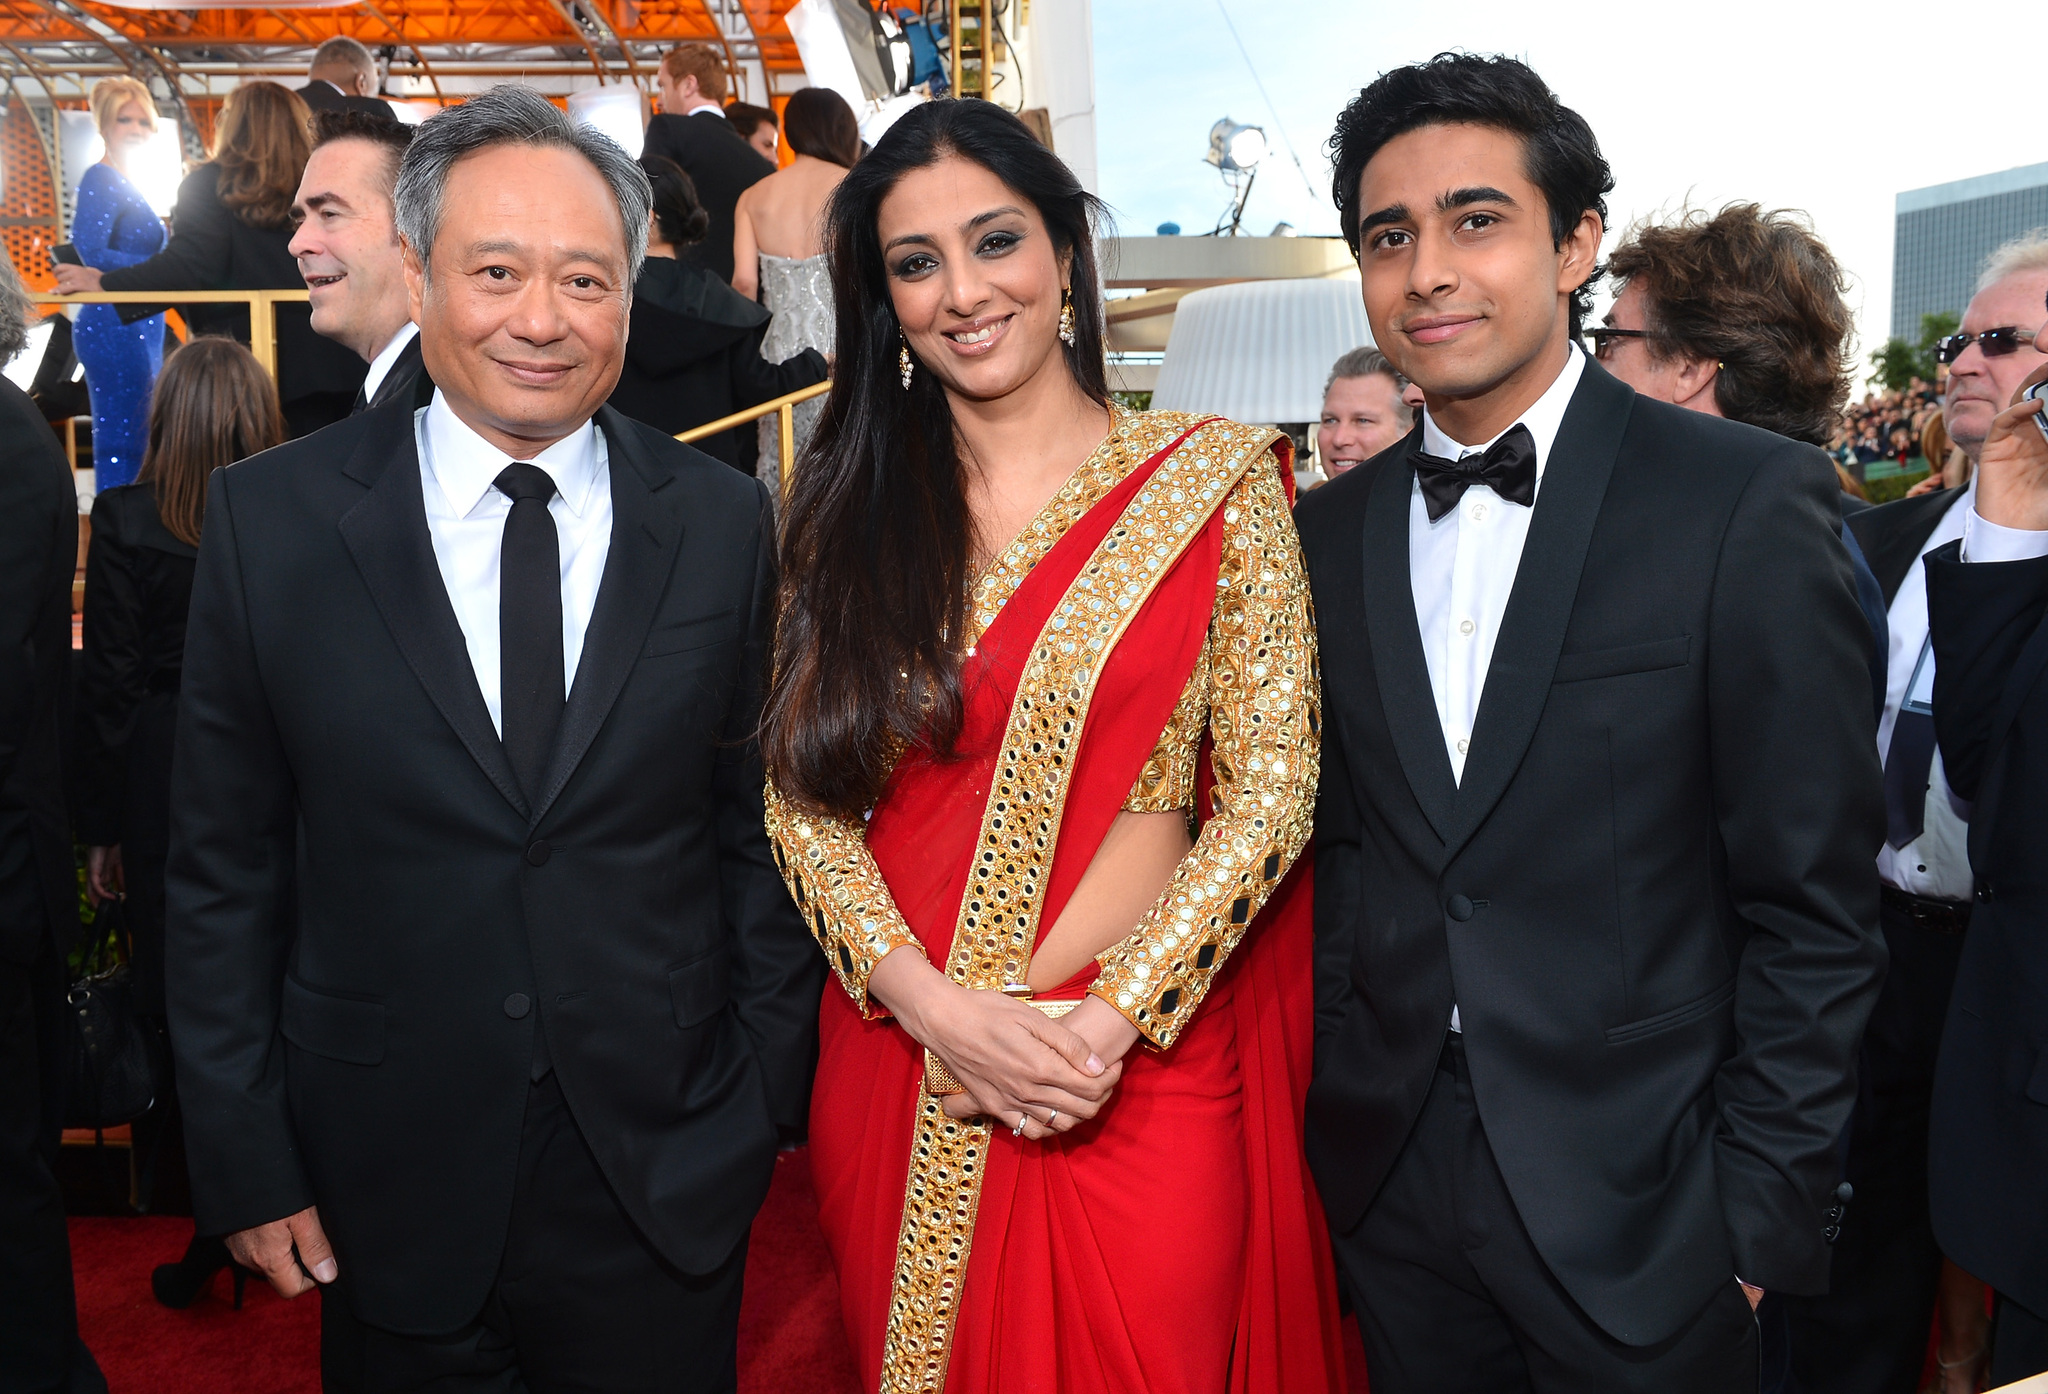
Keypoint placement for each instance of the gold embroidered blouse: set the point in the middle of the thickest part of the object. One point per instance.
(1254, 690)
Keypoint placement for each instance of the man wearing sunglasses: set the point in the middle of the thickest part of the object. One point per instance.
(1995, 350)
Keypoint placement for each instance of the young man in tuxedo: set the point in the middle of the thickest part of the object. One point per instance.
(1596, 931)
(490, 1004)
(348, 249)
(693, 131)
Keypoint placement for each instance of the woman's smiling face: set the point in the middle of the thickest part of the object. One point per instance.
(974, 277)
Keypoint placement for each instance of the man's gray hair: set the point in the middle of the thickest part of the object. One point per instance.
(15, 311)
(2025, 253)
(343, 52)
(1364, 363)
(509, 115)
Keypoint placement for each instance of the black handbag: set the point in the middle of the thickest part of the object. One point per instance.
(117, 1056)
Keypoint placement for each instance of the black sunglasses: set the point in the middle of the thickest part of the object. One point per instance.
(1603, 338)
(1996, 343)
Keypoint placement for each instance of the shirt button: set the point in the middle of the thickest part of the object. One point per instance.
(518, 1005)
(1466, 627)
(1479, 512)
(1461, 745)
(539, 852)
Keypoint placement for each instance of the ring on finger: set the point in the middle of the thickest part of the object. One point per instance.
(1022, 1119)
(1051, 1117)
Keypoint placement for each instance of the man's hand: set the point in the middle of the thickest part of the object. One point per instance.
(293, 1253)
(76, 280)
(2012, 470)
(104, 879)
(1752, 1292)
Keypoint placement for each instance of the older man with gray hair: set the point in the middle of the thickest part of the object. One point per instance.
(490, 1004)
(1366, 408)
(343, 77)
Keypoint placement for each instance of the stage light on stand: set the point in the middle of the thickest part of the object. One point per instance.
(1236, 150)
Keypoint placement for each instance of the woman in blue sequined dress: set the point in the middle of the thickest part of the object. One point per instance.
(114, 226)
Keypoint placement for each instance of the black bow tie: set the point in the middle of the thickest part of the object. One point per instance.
(1508, 467)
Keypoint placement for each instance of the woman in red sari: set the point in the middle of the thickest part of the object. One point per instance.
(1043, 753)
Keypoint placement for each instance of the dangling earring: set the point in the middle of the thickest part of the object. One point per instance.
(1067, 318)
(903, 361)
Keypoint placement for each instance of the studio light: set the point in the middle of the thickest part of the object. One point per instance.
(1235, 146)
(618, 112)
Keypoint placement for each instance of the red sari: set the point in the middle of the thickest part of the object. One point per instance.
(1175, 1243)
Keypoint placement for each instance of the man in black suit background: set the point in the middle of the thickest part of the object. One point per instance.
(348, 249)
(1987, 608)
(39, 1345)
(1869, 1333)
(343, 77)
(692, 131)
(491, 1005)
(1596, 931)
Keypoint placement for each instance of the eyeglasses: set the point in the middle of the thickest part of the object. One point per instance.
(1603, 338)
(1996, 343)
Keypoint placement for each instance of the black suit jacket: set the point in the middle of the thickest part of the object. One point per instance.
(38, 558)
(694, 355)
(368, 922)
(1988, 1131)
(211, 248)
(1650, 897)
(406, 380)
(321, 95)
(1892, 534)
(721, 165)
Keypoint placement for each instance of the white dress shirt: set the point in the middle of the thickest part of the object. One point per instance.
(1984, 540)
(380, 366)
(466, 519)
(1462, 567)
(1937, 863)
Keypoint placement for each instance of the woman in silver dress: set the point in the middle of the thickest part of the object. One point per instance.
(778, 252)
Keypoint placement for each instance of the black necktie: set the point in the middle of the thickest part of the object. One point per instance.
(529, 625)
(1508, 467)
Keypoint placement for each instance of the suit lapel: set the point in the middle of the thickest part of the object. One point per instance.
(1398, 663)
(646, 535)
(402, 379)
(1891, 536)
(387, 535)
(1540, 605)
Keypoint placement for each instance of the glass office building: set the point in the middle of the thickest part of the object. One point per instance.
(1944, 232)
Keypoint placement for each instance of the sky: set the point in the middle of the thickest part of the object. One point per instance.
(1832, 108)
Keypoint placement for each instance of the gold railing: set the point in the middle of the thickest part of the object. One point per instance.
(784, 408)
(262, 309)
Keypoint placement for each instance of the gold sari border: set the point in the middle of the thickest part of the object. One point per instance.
(1000, 906)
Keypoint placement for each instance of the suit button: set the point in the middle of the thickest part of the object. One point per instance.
(1831, 1233)
(1458, 908)
(1985, 894)
(539, 852)
(518, 1005)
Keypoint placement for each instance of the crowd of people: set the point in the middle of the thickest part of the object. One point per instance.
(1534, 883)
(1887, 426)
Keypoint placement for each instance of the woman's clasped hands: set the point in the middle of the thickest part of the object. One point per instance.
(1019, 1066)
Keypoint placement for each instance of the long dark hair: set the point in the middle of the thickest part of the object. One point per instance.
(876, 538)
(818, 122)
(212, 405)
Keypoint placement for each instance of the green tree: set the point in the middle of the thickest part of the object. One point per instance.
(1899, 362)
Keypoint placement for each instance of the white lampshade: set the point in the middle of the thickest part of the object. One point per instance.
(1260, 351)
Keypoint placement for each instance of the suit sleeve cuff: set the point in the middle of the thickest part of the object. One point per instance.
(1985, 541)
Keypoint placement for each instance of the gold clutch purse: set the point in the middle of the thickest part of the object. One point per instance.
(939, 1081)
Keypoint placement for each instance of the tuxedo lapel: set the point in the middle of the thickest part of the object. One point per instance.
(646, 535)
(387, 535)
(1401, 670)
(1891, 536)
(1540, 605)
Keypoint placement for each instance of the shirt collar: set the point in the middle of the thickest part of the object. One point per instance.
(380, 366)
(467, 466)
(1543, 418)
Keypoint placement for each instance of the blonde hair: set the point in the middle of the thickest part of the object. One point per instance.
(2028, 252)
(700, 61)
(110, 94)
(262, 143)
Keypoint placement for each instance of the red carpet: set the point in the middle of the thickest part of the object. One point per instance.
(790, 1337)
